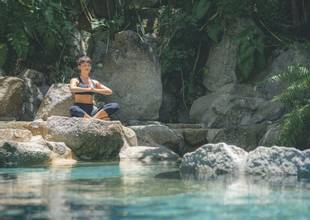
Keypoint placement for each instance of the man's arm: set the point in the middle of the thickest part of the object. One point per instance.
(101, 89)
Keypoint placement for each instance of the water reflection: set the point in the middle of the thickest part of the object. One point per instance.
(131, 190)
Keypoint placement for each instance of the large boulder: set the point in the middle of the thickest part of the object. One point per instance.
(89, 139)
(194, 136)
(239, 112)
(282, 59)
(212, 160)
(35, 89)
(246, 137)
(280, 161)
(57, 101)
(132, 70)
(147, 154)
(221, 65)
(157, 135)
(11, 90)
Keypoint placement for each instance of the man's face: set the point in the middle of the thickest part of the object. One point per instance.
(85, 67)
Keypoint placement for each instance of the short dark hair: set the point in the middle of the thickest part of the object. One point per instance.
(84, 59)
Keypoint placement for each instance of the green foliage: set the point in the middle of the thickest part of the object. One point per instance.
(296, 123)
(251, 56)
(37, 31)
(3, 52)
(200, 9)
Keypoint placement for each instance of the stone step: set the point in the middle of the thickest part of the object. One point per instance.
(182, 125)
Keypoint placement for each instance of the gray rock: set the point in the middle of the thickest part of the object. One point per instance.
(305, 170)
(221, 65)
(270, 88)
(35, 89)
(275, 161)
(60, 149)
(132, 70)
(57, 101)
(35, 151)
(232, 105)
(147, 153)
(157, 135)
(272, 135)
(246, 137)
(212, 160)
(193, 138)
(11, 89)
(89, 139)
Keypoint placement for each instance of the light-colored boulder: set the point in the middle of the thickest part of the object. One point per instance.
(11, 89)
(147, 153)
(132, 70)
(275, 161)
(57, 101)
(157, 135)
(212, 160)
(221, 65)
(89, 139)
(36, 127)
(15, 135)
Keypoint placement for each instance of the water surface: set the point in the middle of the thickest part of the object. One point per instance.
(140, 191)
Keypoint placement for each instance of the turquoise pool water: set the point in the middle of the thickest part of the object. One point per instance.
(139, 191)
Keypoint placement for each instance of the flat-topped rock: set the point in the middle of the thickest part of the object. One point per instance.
(15, 134)
(157, 135)
(89, 139)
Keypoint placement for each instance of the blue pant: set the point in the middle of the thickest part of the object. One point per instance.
(79, 109)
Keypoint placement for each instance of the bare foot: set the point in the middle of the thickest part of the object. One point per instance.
(102, 115)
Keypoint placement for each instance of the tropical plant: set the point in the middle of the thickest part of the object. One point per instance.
(296, 123)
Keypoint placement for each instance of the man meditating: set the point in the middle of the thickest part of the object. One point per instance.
(84, 89)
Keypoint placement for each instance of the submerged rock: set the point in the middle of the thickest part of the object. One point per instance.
(212, 160)
(89, 139)
(147, 153)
